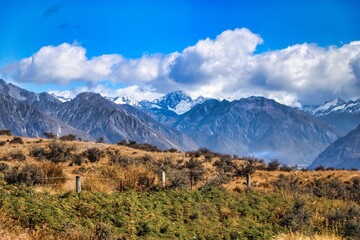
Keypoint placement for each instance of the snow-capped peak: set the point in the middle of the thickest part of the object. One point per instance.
(334, 105)
(123, 100)
(178, 102)
(62, 98)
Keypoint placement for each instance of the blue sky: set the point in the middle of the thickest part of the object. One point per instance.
(159, 29)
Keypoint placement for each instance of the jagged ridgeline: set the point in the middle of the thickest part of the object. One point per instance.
(254, 126)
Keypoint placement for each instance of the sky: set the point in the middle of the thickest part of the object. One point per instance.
(296, 52)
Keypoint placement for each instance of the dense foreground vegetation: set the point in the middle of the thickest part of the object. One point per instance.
(205, 196)
(208, 213)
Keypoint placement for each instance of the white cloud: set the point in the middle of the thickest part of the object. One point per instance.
(226, 66)
(133, 92)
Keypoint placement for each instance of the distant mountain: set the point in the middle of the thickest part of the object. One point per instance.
(257, 126)
(177, 102)
(344, 115)
(343, 153)
(100, 117)
(167, 109)
(43, 102)
(123, 100)
(24, 120)
(61, 98)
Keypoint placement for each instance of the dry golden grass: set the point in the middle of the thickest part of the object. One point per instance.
(100, 176)
(261, 180)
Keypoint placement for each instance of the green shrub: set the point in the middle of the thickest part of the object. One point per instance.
(94, 154)
(16, 140)
(6, 132)
(60, 152)
(38, 152)
(17, 155)
(4, 167)
(102, 232)
(50, 135)
(29, 175)
(69, 137)
(273, 165)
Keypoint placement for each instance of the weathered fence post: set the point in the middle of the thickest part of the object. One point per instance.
(248, 180)
(78, 184)
(163, 177)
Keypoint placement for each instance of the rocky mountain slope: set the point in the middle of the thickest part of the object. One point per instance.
(257, 126)
(43, 102)
(343, 153)
(100, 117)
(344, 115)
(254, 126)
(24, 120)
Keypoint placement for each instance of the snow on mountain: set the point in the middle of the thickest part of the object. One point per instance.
(124, 100)
(62, 98)
(337, 105)
(344, 115)
(177, 102)
(256, 126)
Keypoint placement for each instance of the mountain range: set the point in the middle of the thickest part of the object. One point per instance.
(345, 115)
(253, 126)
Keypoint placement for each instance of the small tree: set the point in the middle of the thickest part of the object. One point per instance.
(6, 132)
(196, 170)
(69, 137)
(50, 135)
(94, 154)
(273, 165)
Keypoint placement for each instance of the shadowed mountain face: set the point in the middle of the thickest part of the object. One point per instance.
(43, 102)
(100, 117)
(24, 120)
(343, 153)
(257, 126)
(344, 115)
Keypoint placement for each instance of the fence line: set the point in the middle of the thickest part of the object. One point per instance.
(166, 178)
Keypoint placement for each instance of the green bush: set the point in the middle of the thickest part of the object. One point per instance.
(16, 140)
(29, 175)
(69, 137)
(6, 132)
(60, 152)
(94, 154)
(50, 135)
(17, 155)
(38, 152)
(4, 167)
(273, 165)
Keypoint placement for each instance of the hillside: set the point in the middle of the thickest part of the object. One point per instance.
(259, 127)
(122, 194)
(343, 153)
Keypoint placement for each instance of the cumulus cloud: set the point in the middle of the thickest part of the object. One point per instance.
(227, 66)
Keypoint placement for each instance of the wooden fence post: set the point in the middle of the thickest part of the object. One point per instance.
(248, 180)
(163, 177)
(78, 184)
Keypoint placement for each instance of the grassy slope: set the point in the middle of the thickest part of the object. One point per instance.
(207, 213)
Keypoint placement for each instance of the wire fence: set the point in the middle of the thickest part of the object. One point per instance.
(171, 179)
